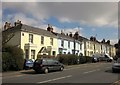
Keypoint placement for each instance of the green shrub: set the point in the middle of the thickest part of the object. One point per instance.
(68, 59)
(12, 58)
(88, 59)
(6, 57)
(82, 59)
(71, 59)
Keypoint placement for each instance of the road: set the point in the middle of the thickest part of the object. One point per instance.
(85, 73)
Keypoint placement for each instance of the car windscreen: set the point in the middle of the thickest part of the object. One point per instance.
(38, 61)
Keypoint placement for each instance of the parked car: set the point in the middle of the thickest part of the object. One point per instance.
(95, 59)
(116, 66)
(108, 58)
(29, 64)
(47, 65)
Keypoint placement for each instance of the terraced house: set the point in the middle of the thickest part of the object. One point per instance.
(68, 44)
(33, 41)
(36, 42)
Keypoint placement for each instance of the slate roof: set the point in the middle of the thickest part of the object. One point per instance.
(65, 37)
(31, 29)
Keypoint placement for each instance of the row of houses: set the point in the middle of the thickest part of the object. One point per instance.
(37, 41)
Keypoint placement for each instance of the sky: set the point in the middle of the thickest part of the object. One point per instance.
(99, 19)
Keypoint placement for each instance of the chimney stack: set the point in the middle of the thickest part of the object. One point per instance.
(67, 34)
(7, 25)
(103, 41)
(62, 32)
(108, 42)
(76, 35)
(50, 29)
(18, 22)
(70, 34)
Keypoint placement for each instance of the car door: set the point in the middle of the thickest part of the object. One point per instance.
(50, 64)
(56, 65)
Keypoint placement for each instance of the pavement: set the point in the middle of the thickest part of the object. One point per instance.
(85, 74)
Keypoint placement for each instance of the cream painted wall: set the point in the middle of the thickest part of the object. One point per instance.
(36, 45)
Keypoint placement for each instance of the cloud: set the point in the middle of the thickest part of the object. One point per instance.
(85, 13)
(59, 1)
(64, 19)
(113, 41)
(94, 14)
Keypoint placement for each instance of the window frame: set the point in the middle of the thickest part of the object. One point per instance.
(51, 41)
(42, 39)
(31, 38)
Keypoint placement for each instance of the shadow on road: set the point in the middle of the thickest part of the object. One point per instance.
(29, 72)
(110, 71)
(32, 72)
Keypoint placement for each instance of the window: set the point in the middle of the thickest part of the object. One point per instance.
(80, 46)
(62, 43)
(22, 34)
(53, 53)
(26, 54)
(88, 45)
(51, 41)
(68, 44)
(32, 54)
(101, 47)
(42, 40)
(31, 38)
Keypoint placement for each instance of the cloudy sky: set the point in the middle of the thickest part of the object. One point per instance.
(98, 19)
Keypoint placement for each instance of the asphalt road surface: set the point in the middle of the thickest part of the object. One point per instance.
(85, 73)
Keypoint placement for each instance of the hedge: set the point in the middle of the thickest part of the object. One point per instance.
(6, 60)
(12, 58)
(70, 59)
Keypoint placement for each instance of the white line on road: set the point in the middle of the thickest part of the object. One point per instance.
(91, 71)
(55, 79)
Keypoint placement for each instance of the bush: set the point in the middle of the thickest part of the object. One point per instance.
(88, 59)
(6, 57)
(82, 59)
(12, 58)
(68, 59)
(71, 59)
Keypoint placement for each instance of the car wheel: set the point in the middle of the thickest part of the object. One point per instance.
(61, 68)
(26, 68)
(46, 70)
(113, 70)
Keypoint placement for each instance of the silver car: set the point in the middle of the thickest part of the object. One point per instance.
(116, 66)
(29, 64)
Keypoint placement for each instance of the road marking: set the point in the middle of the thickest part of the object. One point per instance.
(116, 83)
(55, 79)
(91, 71)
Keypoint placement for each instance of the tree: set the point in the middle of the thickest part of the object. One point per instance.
(12, 58)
